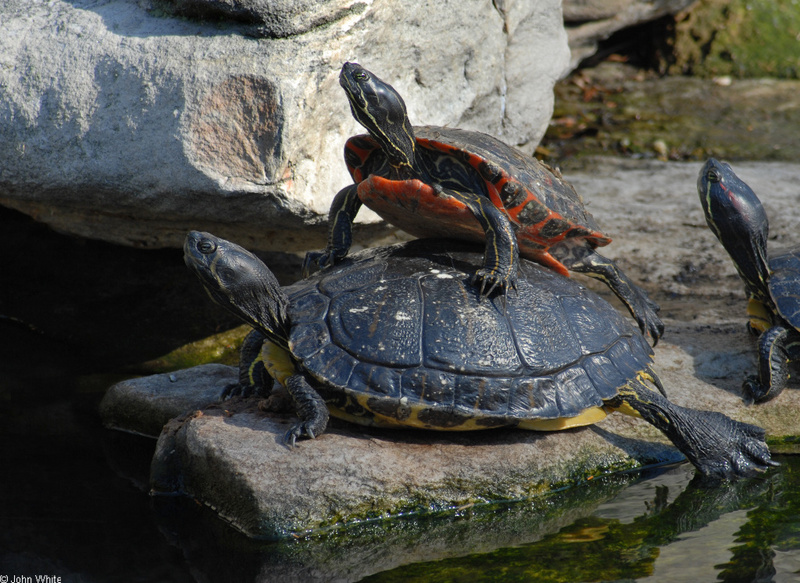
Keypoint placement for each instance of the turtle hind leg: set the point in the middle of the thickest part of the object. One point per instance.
(773, 361)
(501, 255)
(310, 408)
(718, 446)
(584, 259)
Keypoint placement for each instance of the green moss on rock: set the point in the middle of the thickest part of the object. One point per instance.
(222, 348)
(741, 38)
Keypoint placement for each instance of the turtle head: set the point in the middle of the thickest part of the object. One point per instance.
(735, 215)
(239, 281)
(379, 108)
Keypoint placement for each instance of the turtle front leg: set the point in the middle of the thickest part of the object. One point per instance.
(253, 377)
(718, 446)
(344, 208)
(501, 257)
(310, 408)
(773, 365)
(582, 259)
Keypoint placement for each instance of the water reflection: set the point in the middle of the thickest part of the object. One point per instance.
(667, 525)
(673, 527)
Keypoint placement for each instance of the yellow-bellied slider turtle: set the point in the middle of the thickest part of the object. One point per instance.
(434, 181)
(396, 336)
(735, 215)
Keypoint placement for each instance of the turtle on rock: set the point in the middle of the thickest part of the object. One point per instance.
(735, 215)
(445, 182)
(398, 337)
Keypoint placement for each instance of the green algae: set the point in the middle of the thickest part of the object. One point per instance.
(222, 348)
(602, 547)
(741, 38)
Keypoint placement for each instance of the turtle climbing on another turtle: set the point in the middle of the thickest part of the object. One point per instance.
(445, 182)
(736, 216)
(397, 337)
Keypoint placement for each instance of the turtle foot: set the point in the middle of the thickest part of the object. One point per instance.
(646, 315)
(488, 281)
(316, 260)
(728, 449)
(311, 429)
(310, 408)
(756, 392)
(237, 390)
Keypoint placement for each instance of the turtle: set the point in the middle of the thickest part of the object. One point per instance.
(398, 337)
(449, 182)
(736, 216)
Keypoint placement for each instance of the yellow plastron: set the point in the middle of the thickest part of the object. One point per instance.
(760, 316)
(278, 362)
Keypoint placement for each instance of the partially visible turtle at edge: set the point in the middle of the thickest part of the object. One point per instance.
(735, 215)
(397, 337)
(445, 182)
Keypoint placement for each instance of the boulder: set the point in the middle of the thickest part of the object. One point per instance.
(243, 111)
(232, 458)
(590, 21)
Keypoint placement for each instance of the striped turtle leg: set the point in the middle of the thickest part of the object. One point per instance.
(501, 257)
(582, 259)
(718, 446)
(253, 377)
(343, 212)
(773, 364)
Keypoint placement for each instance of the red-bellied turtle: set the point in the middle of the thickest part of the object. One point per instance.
(435, 181)
(735, 215)
(397, 336)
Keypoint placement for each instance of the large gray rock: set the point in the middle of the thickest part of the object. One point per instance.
(121, 122)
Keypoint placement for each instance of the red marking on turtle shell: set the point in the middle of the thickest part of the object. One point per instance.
(529, 231)
(415, 207)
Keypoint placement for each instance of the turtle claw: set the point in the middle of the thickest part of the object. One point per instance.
(316, 260)
(646, 315)
(487, 281)
(236, 390)
(298, 431)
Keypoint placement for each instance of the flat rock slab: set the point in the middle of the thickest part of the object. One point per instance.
(232, 458)
(144, 405)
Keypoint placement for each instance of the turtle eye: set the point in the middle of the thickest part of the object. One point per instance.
(206, 246)
(713, 175)
(361, 76)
